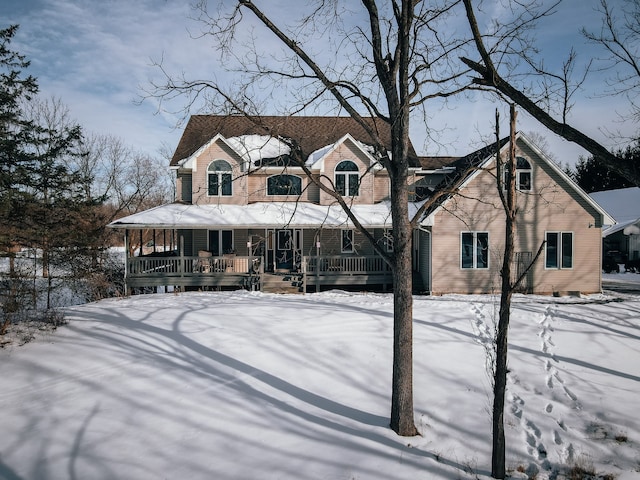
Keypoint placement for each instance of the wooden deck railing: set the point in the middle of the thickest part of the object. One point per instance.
(177, 266)
(337, 265)
(248, 272)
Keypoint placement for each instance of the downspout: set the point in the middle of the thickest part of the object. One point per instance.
(422, 229)
(601, 255)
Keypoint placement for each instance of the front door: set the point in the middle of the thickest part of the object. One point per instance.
(287, 254)
(284, 250)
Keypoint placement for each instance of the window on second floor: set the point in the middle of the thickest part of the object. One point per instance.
(474, 251)
(523, 175)
(347, 178)
(219, 179)
(284, 185)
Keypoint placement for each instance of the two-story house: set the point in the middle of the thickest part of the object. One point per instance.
(248, 215)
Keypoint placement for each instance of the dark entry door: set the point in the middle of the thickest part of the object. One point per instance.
(284, 249)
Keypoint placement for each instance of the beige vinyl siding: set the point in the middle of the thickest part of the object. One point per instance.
(547, 208)
(348, 151)
(256, 187)
(381, 187)
(218, 151)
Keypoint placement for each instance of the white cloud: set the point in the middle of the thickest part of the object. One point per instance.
(96, 55)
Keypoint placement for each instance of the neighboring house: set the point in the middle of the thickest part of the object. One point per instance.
(247, 215)
(621, 241)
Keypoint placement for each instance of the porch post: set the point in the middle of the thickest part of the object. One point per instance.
(318, 264)
(181, 262)
(126, 261)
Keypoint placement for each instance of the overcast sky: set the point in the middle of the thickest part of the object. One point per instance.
(96, 55)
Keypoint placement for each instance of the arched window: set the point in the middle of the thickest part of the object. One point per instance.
(219, 179)
(347, 178)
(284, 185)
(523, 175)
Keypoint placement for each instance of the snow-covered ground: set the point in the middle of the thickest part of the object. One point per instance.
(242, 385)
(622, 277)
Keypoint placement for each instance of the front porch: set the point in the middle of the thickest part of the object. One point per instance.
(248, 272)
(257, 246)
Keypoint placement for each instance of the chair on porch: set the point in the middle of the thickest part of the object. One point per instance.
(204, 261)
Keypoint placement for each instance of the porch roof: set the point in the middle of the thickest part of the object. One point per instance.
(257, 215)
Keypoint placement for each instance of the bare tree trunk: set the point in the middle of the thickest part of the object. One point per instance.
(402, 421)
(498, 457)
(45, 258)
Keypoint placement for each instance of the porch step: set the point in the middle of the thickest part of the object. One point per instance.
(281, 283)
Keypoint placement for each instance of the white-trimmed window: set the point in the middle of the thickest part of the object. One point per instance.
(474, 250)
(219, 179)
(559, 250)
(523, 175)
(284, 185)
(388, 239)
(347, 178)
(347, 241)
(220, 242)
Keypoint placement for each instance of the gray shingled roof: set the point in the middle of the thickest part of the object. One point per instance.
(312, 133)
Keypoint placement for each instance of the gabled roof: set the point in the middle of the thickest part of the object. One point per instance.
(311, 133)
(468, 167)
(316, 159)
(461, 171)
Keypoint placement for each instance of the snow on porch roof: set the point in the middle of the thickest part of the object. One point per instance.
(256, 215)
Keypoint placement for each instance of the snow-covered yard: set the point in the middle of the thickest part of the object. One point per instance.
(243, 385)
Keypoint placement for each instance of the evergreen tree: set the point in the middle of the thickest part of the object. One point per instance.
(593, 176)
(43, 199)
(16, 134)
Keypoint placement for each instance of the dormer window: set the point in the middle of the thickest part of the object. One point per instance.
(219, 179)
(347, 178)
(523, 175)
(284, 185)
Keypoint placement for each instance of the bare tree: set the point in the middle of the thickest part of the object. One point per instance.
(620, 38)
(385, 64)
(492, 60)
(506, 183)
(131, 181)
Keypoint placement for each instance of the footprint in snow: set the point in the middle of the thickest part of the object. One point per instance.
(534, 428)
(557, 438)
(570, 394)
